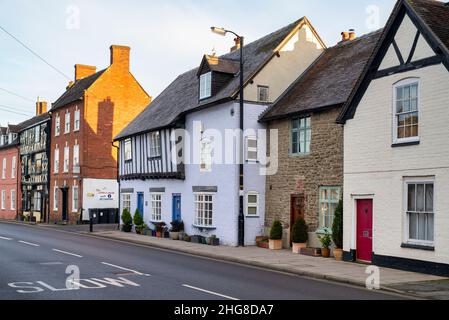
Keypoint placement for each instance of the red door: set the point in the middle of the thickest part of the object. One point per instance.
(365, 230)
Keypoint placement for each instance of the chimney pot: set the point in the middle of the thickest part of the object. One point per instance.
(84, 71)
(344, 36)
(41, 107)
(352, 34)
(120, 56)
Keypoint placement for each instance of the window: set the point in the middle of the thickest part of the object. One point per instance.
(13, 167)
(329, 199)
(251, 149)
(67, 123)
(38, 164)
(204, 210)
(263, 93)
(3, 199)
(55, 198)
(37, 134)
(301, 136)
(76, 157)
(252, 204)
(37, 201)
(13, 199)
(126, 201)
(76, 123)
(66, 159)
(128, 150)
(156, 207)
(56, 164)
(75, 198)
(206, 156)
(406, 111)
(420, 212)
(205, 85)
(4, 169)
(57, 125)
(155, 145)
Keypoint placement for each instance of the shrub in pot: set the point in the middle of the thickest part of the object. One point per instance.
(337, 232)
(275, 242)
(160, 229)
(138, 222)
(300, 235)
(326, 242)
(177, 227)
(127, 221)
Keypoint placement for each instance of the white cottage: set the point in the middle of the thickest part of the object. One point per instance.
(396, 158)
(171, 175)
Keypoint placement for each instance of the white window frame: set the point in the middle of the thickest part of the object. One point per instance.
(13, 199)
(305, 129)
(259, 92)
(155, 144)
(37, 134)
(3, 199)
(322, 217)
(37, 198)
(126, 198)
(206, 156)
(201, 219)
(75, 202)
(56, 162)
(67, 123)
(206, 85)
(4, 169)
(156, 199)
(76, 156)
(13, 167)
(406, 224)
(77, 119)
(404, 83)
(58, 125)
(128, 150)
(252, 149)
(55, 198)
(252, 205)
(66, 166)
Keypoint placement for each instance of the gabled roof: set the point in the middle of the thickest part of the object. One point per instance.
(328, 82)
(181, 96)
(76, 92)
(218, 64)
(431, 18)
(33, 121)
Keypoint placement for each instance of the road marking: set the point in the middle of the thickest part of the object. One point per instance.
(7, 239)
(210, 292)
(67, 253)
(29, 244)
(126, 269)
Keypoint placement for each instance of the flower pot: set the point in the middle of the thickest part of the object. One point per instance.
(181, 236)
(275, 244)
(127, 228)
(338, 254)
(174, 235)
(296, 247)
(325, 252)
(158, 234)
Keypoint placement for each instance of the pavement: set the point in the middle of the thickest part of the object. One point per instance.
(42, 263)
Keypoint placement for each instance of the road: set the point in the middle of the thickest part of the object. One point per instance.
(34, 262)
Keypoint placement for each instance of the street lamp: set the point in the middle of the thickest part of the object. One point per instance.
(241, 228)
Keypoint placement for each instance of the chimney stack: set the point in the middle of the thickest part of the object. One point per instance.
(348, 35)
(352, 34)
(344, 36)
(237, 45)
(120, 56)
(41, 107)
(83, 71)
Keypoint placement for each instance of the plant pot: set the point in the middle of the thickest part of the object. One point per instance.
(181, 236)
(174, 235)
(260, 239)
(263, 245)
(195, 239)
(275, 244)
(139, 231)
(338, 254)
(158, 234)
(213, 241)
(127, 228)
(325, 252)
(297, 247)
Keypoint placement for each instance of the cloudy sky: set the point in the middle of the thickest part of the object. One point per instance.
(167, 37)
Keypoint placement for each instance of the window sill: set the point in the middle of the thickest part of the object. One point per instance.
(418, 246)
(252, 217)
(299, 155)
(156, 221)
(405, 144)
(154, 158)
(204, 227)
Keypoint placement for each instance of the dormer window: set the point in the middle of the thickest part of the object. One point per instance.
(206, 85)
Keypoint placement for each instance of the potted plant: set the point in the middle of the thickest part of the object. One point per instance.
(138, 222)
(337, 232)
(263, 243)
(127, 220)
(276, 236)
(176, 228)
(213, 241)
(300, 235)
(326, 242)
(160, 229)
(186, 238)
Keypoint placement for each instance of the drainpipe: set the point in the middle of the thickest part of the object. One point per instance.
(118, 180)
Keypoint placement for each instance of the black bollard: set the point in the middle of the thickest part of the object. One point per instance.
(91, 226)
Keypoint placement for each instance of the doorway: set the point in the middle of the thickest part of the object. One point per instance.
(297, 211)
(140, 204)
(365, 230)
(65, 204)
(177, 214)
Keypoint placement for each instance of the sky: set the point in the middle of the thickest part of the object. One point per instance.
(167, 37)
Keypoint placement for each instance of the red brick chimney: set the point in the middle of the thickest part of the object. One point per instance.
(41, 107)
(83, 71)
(120, 56)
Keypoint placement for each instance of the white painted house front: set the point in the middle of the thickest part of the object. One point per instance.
(170, 175)
(396, 158)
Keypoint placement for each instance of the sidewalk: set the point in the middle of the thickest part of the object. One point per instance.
(285, 261)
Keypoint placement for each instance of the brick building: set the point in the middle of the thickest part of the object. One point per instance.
(309, 180)
(94, 109)
(9, 173)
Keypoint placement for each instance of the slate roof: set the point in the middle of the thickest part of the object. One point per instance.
(328, 81)
(181, 96)
(33, 121)
(218, 64)
(76, 92)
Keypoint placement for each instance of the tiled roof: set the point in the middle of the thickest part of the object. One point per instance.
(33, 121)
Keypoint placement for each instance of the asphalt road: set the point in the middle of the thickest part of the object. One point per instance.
(34, 262)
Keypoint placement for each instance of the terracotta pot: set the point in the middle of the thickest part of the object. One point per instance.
(158, 234)
(338, 254)
(275, 244)
(325, 252)
(174, 235)
(296, 247)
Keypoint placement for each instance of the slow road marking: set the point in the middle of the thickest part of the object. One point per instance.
(126, 269)
(68, 253)
(4, 238)
(29, 244)
(210, 292)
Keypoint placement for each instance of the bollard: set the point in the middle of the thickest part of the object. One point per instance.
(91, 226)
